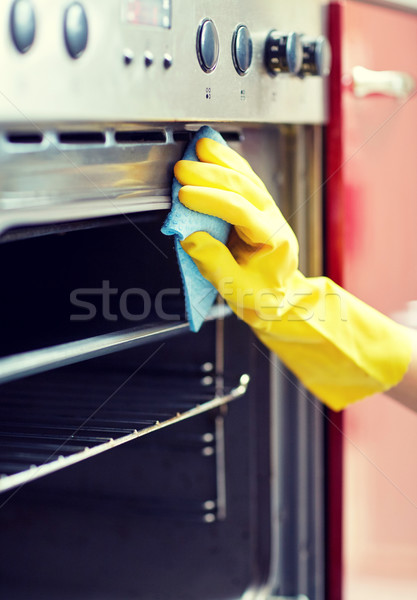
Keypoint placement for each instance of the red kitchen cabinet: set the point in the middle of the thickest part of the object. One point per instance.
(372, 251)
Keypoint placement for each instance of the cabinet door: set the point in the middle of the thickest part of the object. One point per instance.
(378, 264)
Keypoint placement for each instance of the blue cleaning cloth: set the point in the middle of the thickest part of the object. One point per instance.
(181, 222)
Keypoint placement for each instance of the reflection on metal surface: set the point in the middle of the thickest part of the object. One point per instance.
(296, 501)
(298, 597)
(44, 359)
(301, 195)
(76, 211)
(54, 166)
(52, 175)
(221, 463)
(387, 83)
(314, 201)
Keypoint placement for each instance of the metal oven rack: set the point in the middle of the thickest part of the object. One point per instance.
(54, 423)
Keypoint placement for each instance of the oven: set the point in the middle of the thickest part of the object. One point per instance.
(140, 460)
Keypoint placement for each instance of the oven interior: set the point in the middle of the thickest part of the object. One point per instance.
(194, 466)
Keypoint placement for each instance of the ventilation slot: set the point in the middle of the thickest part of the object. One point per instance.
(82, 137)
(182, 136)
(231, 136)
(24, 138)
(140, 137)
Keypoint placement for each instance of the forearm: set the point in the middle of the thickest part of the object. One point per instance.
(406, 391)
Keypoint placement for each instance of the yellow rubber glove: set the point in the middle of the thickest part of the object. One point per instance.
(338, 346)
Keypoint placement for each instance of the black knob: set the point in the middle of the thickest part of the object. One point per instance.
(283, 53)
(317, 56)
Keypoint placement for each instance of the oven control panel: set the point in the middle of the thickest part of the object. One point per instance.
(159, 60)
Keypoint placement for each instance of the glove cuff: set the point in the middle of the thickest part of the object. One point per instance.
(340, 348)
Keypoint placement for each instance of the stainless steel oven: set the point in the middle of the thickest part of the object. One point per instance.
(138, 459)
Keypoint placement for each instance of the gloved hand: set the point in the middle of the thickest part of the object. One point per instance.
(339, 347)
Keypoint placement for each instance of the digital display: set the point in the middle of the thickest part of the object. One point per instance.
(156, 13)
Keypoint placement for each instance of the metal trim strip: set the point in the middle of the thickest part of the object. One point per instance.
(24, 364)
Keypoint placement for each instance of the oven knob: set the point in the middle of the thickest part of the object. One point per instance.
(317, 56)
(207, 45)
(283, 53)
(22, 25)
(75, 30)
(242, 49)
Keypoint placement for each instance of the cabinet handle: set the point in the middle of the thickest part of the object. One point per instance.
(388, 83)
